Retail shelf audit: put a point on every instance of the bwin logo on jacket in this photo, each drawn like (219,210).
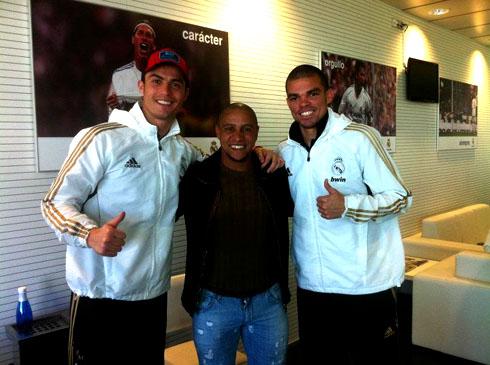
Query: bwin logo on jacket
(132,163)
(338,167)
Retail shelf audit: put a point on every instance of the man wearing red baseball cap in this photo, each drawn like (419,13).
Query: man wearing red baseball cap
(164,86)
(114,203)
(169,56)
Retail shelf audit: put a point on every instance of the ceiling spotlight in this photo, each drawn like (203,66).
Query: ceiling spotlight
(439,11)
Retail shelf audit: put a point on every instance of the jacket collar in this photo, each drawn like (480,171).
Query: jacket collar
(296,135)
(209,169)
(135,119)
(331,123)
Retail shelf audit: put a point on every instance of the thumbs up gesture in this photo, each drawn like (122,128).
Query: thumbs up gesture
(332,205)
(108,240)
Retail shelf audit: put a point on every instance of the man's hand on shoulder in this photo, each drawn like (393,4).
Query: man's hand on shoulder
(267,156)
(108,240)
(112,101)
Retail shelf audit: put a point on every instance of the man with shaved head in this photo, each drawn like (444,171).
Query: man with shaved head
(236,217)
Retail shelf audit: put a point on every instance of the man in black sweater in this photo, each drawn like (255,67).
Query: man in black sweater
(237,247)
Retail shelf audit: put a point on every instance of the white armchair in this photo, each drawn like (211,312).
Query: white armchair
(451,306)
(448,233)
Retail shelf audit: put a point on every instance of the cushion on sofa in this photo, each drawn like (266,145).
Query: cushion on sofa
(473,265)
(434,249)
(482,221)
(467,225)
(486,245)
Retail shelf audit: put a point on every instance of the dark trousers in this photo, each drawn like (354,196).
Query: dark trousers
(107,331)
(348,329)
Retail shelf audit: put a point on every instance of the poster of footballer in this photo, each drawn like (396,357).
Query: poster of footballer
(88,60)
(458,115)
(364,92)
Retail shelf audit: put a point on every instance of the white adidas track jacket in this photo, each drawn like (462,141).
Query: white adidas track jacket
(113,167)
(361,252)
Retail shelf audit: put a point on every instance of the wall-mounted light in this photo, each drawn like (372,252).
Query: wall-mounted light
(399,24)
(248,19)
(478,69)
(416,44)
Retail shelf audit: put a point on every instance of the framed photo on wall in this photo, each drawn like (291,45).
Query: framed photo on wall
(77,47)
(364,92)
(458,115)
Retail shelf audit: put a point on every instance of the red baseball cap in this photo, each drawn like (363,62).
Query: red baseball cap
(167,55)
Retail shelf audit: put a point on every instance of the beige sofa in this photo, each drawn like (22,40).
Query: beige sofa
(451,306)
(446,234)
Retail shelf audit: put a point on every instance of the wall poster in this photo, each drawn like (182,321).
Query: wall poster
(363,91)
(458,115)
(76,48)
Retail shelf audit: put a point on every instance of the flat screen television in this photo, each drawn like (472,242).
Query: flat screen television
(422,81)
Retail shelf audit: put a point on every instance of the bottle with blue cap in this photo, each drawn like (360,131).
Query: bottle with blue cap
(24,313)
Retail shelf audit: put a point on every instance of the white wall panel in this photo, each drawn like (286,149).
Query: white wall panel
(264,46)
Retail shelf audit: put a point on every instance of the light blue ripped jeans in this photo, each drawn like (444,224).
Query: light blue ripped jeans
(261,320)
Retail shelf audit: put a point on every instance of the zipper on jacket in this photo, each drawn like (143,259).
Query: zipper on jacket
(308,158)
(205,253)
(159,144)
(277,234)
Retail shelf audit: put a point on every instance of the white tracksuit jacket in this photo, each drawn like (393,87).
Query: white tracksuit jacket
(113,167)
(361,252)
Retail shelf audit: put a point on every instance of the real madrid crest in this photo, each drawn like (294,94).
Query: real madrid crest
(338,167)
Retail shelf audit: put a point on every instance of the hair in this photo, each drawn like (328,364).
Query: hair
(144,22)
(237,106)
(303,71)
(358,66)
